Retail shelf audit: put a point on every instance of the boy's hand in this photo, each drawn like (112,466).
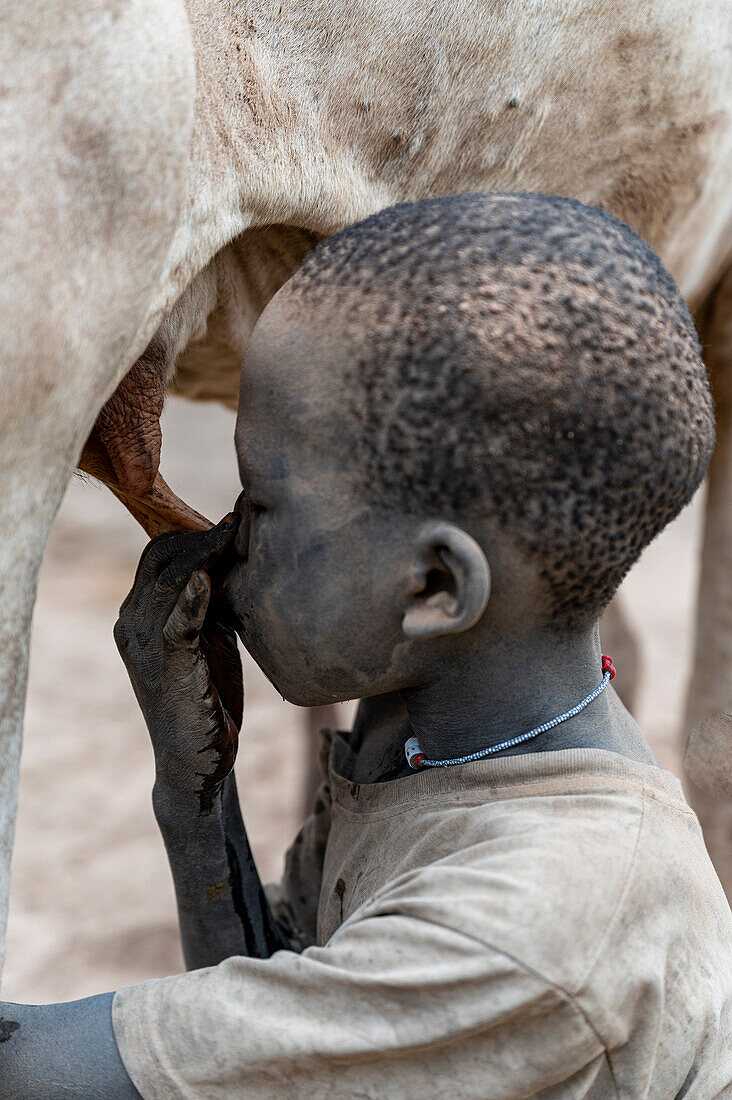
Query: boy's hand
(181,656)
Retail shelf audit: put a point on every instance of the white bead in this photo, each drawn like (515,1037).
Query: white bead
(412,750)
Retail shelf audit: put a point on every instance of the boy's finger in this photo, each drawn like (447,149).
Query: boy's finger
(222,657)
(191,547)
(187,617)
(199,554)
(154,558)
(188,548)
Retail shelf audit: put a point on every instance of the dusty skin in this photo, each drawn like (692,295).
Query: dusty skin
(460,624)
(135,198)
(92,907)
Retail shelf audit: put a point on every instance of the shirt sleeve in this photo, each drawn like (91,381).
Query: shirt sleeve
(391,1006)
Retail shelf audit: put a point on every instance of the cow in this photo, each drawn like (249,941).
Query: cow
(167,165)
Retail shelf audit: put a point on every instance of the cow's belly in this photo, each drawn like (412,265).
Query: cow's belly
(700,251)
(247,274)
(627,106)
(622,105)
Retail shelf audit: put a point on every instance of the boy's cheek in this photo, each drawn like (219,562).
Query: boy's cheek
(299,614)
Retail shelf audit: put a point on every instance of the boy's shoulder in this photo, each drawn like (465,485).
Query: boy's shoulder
(578,861)
(593,880)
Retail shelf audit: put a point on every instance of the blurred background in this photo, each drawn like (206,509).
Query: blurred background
(92,904)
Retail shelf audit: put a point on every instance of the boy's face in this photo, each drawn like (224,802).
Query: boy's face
(320,583)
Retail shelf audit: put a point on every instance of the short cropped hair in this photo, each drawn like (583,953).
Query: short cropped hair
(522,357)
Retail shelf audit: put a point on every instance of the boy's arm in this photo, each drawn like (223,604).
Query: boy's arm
(184,666)
(222,908)
(59,1050)
(392,1005)
(263,934)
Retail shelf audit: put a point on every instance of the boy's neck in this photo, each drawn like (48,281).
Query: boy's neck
(506,688)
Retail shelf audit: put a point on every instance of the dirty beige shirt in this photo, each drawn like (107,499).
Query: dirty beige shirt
(547,924)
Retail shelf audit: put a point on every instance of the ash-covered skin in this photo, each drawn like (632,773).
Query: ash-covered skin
(175,636)
(525,357)
(386,545)
(519,365)
(7,1027)
(182,659)
(458,425)
(443,627)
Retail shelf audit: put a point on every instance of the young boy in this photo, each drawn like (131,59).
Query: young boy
(460,423)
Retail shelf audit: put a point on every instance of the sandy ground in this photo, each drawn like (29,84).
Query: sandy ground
(92,905)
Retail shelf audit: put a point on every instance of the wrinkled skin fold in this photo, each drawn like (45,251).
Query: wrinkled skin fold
(123,452)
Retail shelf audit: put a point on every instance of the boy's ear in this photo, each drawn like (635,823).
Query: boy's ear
(452,583)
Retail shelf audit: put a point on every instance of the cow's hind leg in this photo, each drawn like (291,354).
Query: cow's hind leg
(708,725)
(95,115)
(30,497)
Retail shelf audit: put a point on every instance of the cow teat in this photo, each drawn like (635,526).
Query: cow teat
(123,452)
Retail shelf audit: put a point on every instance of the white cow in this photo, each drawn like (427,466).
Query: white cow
(166,165)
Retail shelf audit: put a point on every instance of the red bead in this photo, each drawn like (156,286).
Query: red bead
(608,666)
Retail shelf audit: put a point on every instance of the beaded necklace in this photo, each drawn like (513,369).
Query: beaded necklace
(417,759)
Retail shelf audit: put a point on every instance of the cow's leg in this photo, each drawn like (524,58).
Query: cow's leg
(95,120)
(708,725)
(27,512)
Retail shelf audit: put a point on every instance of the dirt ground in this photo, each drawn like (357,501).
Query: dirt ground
(92,904)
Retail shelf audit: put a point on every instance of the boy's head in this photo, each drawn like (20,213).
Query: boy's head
(462,417)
